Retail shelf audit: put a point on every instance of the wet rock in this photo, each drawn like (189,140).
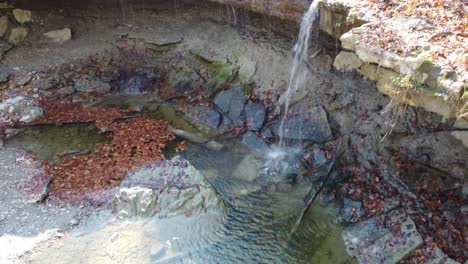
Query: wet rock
(370,242)
(254,143)
(351,211)
(91,84)
(266,133)
(18,35)
(3,25)
(248,169)
(135,201)
(313,127)
(22,15)
(206,115)
(445,151)
(49,82)
(232,102)
(32,114)
(135,84)
(254,116)
(59,36)
(347,61)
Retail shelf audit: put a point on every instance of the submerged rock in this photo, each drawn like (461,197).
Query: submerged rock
(59,36)
(370,242)
(248,169)
(313,127)
(167,188)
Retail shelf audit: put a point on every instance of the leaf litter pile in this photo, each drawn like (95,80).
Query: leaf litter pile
(133,143)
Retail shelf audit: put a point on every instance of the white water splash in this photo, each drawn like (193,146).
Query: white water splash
(298,67)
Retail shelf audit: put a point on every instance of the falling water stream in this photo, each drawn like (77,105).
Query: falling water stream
(299,64)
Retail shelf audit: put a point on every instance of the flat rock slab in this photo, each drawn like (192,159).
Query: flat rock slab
(384,239)
(313,127)
(59,36)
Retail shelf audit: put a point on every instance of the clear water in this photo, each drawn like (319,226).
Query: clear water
(255,225)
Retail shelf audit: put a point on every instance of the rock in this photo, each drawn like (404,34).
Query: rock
(254,143)
(438,90)
(266,133)
(192,137)
(69,90)
(91,84)
(32,115)
(206,115)
(4,76)
(370,242)
(4,48)
(213,145)
(322,63)
(171,187)
(59,36)
(439,257)
(22,15)
(248,169)
(135,84)
(18,35)
(5,5)
(254,116)
(3,25)
(313,127)
(23,80)
(347,61)
(352,210)
(232,102)
(135,201)
(465,189)
(12,105)
(445,151)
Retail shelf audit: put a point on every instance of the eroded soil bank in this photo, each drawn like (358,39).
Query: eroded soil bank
(214,75)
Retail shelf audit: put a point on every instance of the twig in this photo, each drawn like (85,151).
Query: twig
(311,200)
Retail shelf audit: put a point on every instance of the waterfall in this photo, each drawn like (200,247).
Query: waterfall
(298,67)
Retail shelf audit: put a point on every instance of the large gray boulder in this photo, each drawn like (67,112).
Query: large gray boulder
(313,126)
(167,188)
(347,61)
(254,116)
(205,115)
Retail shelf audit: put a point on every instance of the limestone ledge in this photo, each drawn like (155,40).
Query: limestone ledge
(437,89)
